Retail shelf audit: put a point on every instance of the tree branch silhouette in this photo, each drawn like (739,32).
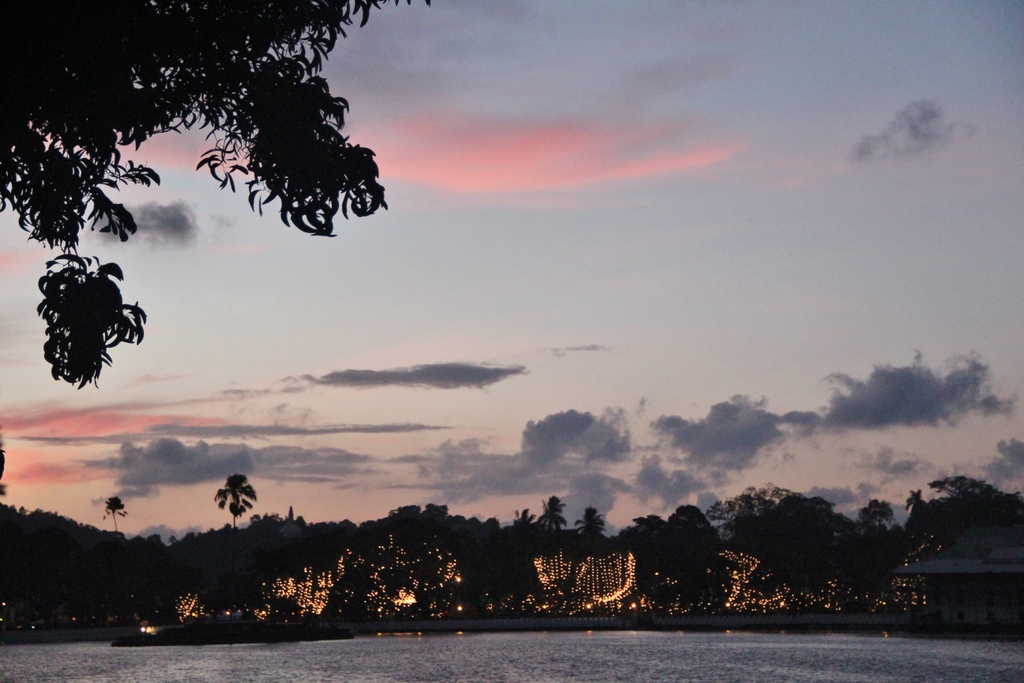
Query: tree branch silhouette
(84,80)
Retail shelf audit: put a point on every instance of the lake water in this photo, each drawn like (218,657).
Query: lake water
(534,657)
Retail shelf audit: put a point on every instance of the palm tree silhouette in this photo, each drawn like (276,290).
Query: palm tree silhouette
(552,519)
(591,527)
(114,508)
(238,495)
(523,520)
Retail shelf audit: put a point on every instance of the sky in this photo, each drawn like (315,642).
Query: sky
(636,256)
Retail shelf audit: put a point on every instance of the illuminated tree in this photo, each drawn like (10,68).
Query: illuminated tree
(114,508)
(799,541)
(83,80)
(238,495)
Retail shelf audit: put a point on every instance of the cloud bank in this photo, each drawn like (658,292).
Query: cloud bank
(655,481)
(169,462)
(1008,466)
(569,449)
(736,432)
(433,376)
(231,431)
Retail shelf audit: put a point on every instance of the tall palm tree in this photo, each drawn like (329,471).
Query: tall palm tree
(591,527)
(523,520)
(552,519)
(115,509)
(238,495)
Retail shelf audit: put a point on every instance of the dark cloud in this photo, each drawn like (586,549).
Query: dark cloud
(1009,464)
(917,127)
(563,350)
(732,435)
(893,467)
(316,466)
(169,462)
(605,438)
(839,496)
(236,431)
(435,376)
(556,451)
(166,224)
(653,480)
(735,432)
(592,489)
(912,396)
(846,500)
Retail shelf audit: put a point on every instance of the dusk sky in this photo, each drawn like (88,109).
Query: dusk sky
(636,255)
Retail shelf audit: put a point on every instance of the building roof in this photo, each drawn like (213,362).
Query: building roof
(982,550)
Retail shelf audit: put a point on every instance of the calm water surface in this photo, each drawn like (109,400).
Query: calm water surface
(534,657)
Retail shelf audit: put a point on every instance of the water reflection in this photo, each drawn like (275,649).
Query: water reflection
(540,657)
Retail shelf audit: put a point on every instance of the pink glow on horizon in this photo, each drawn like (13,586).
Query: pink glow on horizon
(12,263)
(472,157)
(35,473)
(88,422)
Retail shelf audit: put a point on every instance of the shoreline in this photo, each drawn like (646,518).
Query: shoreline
(900,624)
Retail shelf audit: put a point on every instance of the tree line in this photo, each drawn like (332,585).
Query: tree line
(765,550)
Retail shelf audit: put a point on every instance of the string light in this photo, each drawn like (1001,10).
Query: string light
(574,587)
(188,607)
(399,581)
(310,593)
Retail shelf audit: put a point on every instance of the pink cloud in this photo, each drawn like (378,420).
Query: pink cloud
(497,157)
(50,473)
(86,422)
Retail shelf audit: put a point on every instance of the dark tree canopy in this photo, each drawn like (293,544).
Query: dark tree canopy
(84,79)
(961,503)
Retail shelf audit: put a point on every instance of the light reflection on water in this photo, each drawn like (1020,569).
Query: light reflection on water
(535,657)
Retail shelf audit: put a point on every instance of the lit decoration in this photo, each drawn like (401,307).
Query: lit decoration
(749,591)
(188,607)
(402,581)
(904,591)
(573,587)
(310,593)
(405,598)
(743,593)
(385,582)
